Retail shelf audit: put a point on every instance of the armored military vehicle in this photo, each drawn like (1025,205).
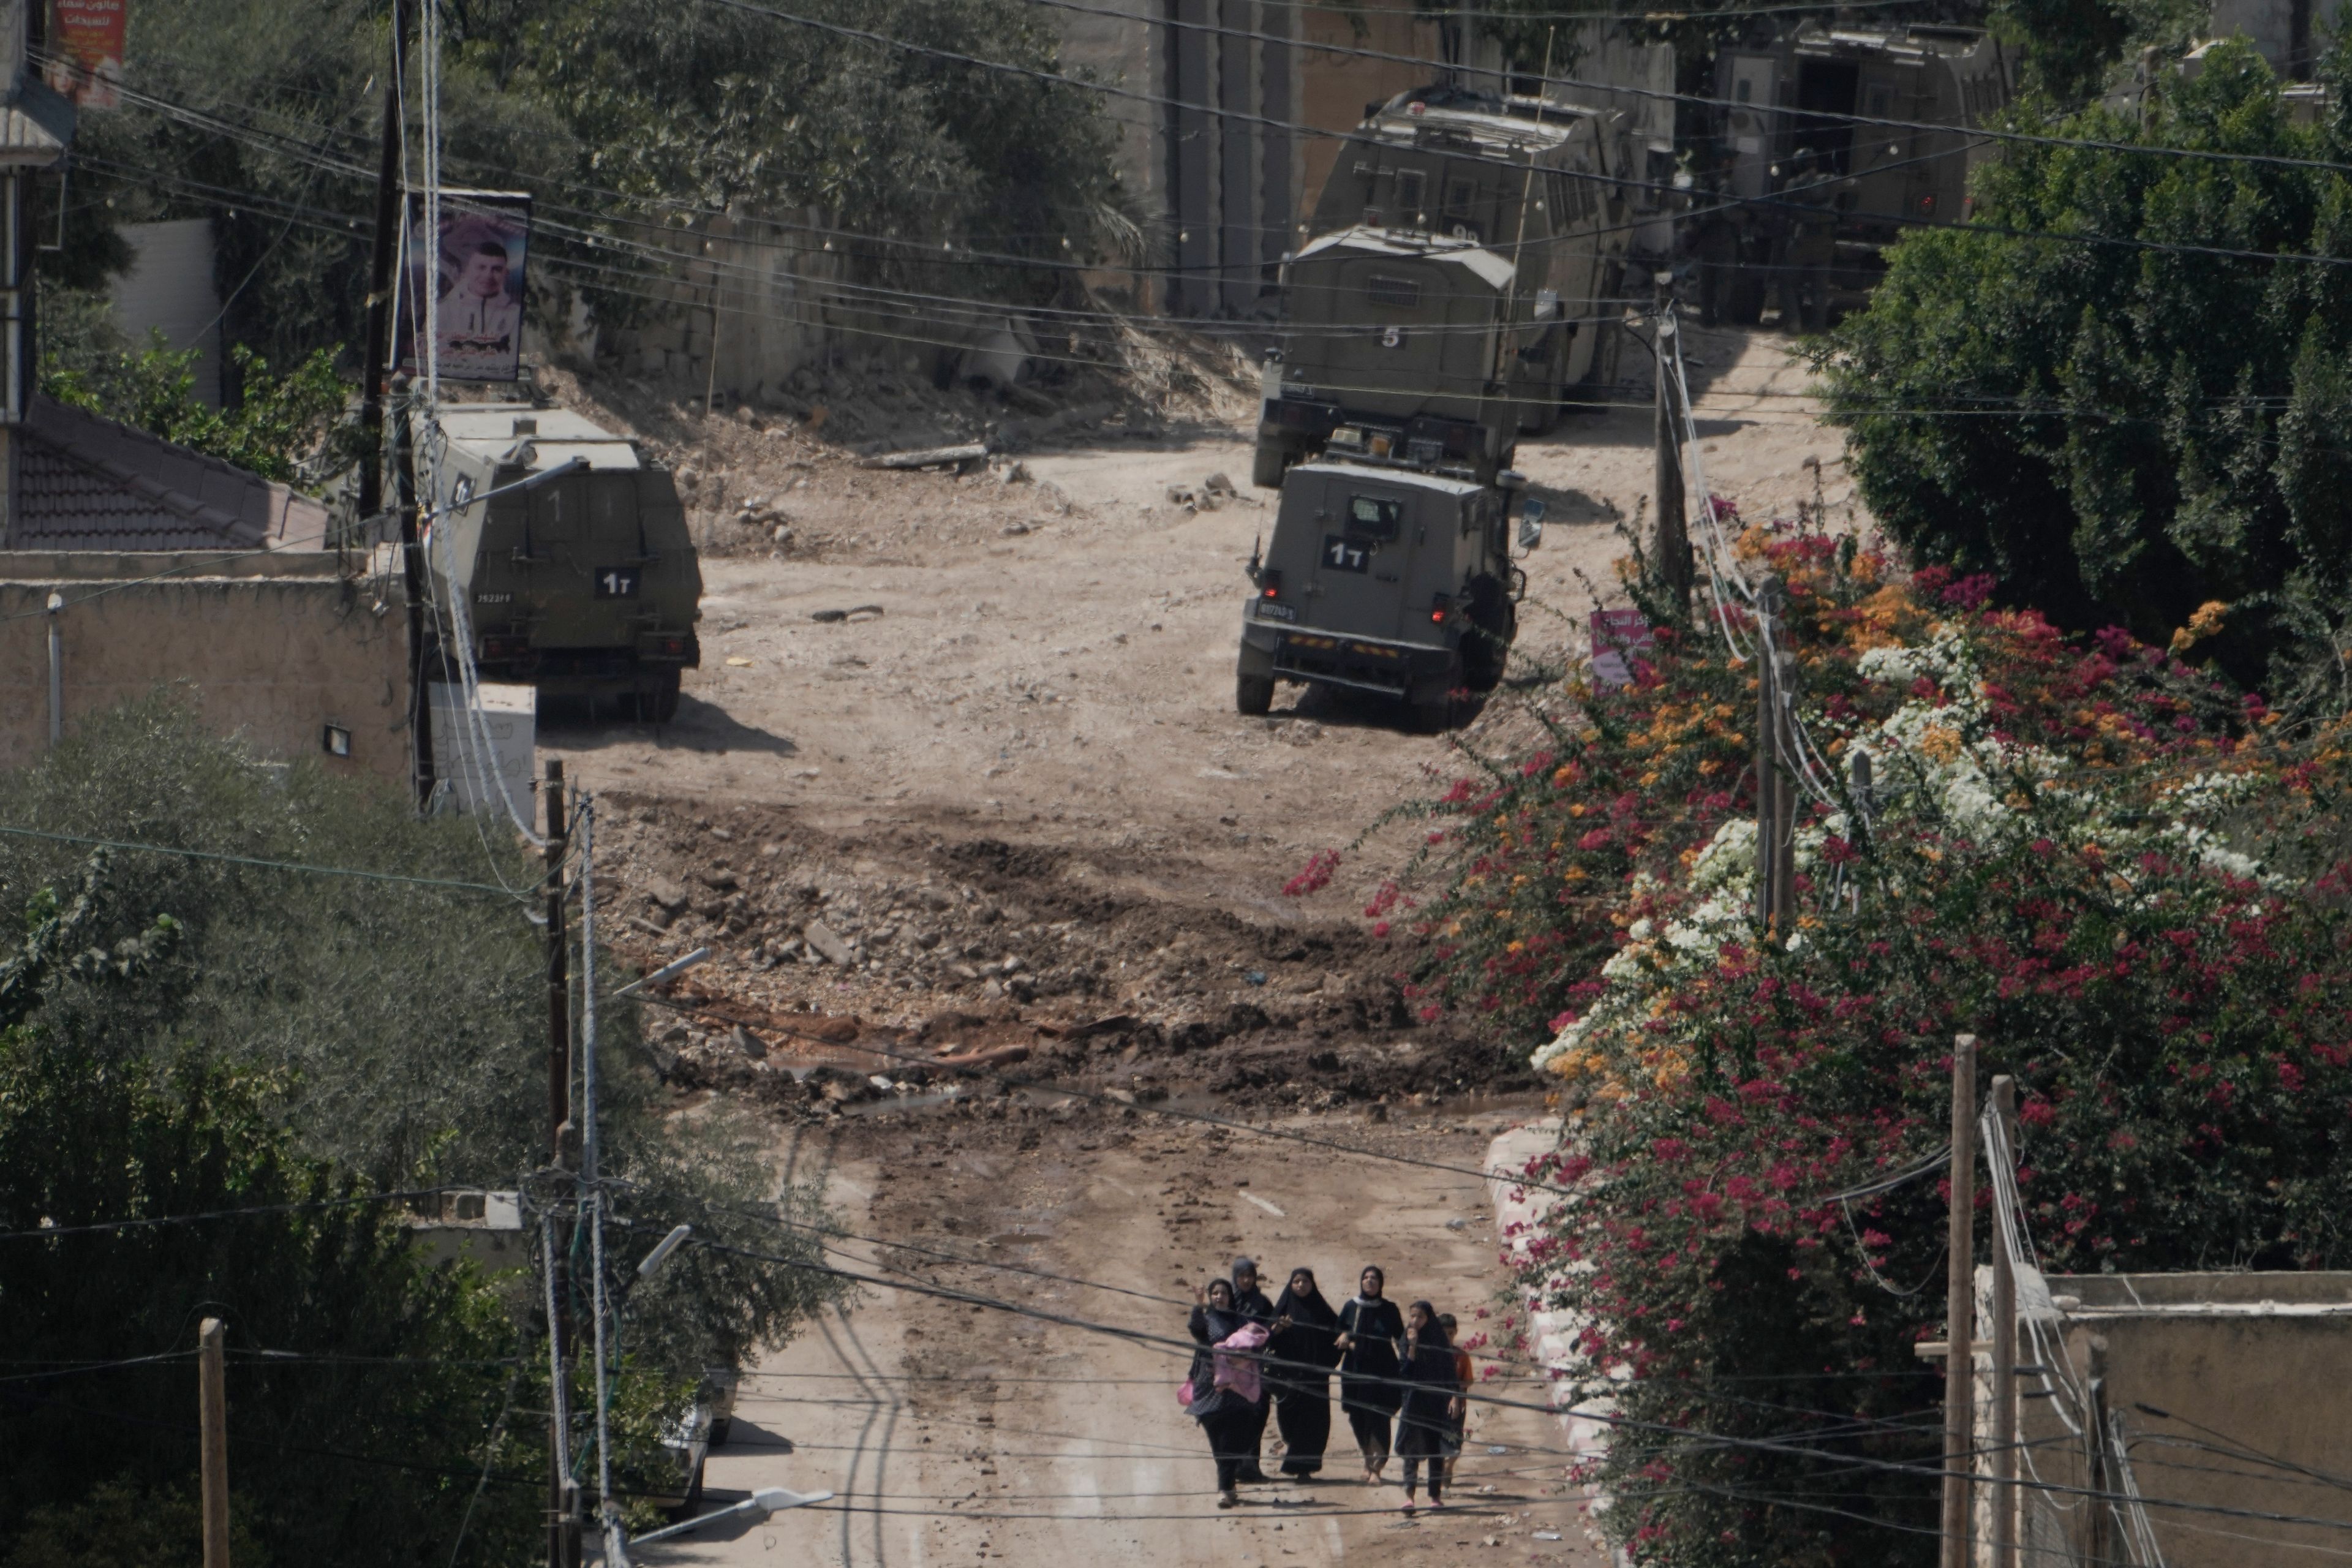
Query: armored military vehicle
(1456,283)
(583,584)
(1385,578)
(1816,195)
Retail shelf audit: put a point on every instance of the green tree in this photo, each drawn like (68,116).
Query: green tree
(293,429)
(403,1026)
(2123,433)
(363,1432)
(623,121)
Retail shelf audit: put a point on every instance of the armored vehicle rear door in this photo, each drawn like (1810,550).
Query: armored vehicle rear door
(586,559)
(1402,323)
(1363,557)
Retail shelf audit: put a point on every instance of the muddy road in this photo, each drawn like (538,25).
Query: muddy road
(960,776)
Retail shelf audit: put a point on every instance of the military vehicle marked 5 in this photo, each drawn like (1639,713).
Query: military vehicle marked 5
(1455,286)
(585,586)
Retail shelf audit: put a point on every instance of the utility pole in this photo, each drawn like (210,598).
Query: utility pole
(1959,1310)
(1767,761)
(1776,801)
(2098,1471)
(212,1410)
(1670,549)
(2004,1346)
(564,1498)
(380,265)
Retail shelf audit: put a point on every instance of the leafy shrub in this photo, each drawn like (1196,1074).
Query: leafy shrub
(2136,429)
(2125,879)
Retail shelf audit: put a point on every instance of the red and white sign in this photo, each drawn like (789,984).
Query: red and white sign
(86,41)
(1617,635)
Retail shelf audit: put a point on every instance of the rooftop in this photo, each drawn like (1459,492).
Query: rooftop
(89,483)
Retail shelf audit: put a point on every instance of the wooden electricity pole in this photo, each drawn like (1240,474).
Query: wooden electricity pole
(1776,799)
(380,267)
(374,354)
(1959,1310)
(212,1410)
(2004,1348)
(562,1511)
(1670,554)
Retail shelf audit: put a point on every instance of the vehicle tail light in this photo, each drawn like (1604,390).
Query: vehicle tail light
(505,647)
(1270,584)
(673,646)
(1439,607)
(1927,206)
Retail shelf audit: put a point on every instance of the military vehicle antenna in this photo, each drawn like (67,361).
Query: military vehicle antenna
(1520,242)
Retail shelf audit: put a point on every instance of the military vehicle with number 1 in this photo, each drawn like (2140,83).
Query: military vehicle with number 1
(1385,578)
(584,584)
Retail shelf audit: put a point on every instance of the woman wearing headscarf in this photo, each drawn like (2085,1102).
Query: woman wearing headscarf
(1223,1392)
(1250,1301)
(1305,1348)
(1465,1374)
(1371,1330)
(1432,1398)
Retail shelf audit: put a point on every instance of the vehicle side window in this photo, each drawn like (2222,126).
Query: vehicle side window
(1411,197)
(1374,517)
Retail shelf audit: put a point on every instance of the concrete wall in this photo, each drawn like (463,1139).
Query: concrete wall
(273,647)
(2257,1362)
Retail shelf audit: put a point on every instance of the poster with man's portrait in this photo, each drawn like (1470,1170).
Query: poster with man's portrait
(473,269)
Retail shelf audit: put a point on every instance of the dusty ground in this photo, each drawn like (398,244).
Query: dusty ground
(956,1435)
(1027,749)
(1007,807)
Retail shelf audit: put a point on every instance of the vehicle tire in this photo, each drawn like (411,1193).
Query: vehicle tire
(1252,695)
(659,705)
(1487,643)
(1743,298)
(1434,715)
(1274,454)
(719,1433)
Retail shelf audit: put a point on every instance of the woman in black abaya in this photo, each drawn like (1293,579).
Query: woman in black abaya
(1371,1330)
(1305,1348)
(1229,1416)
(1433,1403)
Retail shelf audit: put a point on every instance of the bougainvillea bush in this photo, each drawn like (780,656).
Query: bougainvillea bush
(2127,881)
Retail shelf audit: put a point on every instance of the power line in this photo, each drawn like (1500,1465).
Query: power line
(209,1215)
(252,860)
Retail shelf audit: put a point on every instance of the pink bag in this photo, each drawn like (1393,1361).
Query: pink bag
(1239,1372)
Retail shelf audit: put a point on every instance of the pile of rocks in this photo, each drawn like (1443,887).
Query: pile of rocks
(916,935)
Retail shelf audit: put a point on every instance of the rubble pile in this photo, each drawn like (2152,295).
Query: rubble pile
(836,978)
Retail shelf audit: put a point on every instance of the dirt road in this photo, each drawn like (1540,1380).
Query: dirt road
(1006,804)
(955,1434)
(1049,664)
